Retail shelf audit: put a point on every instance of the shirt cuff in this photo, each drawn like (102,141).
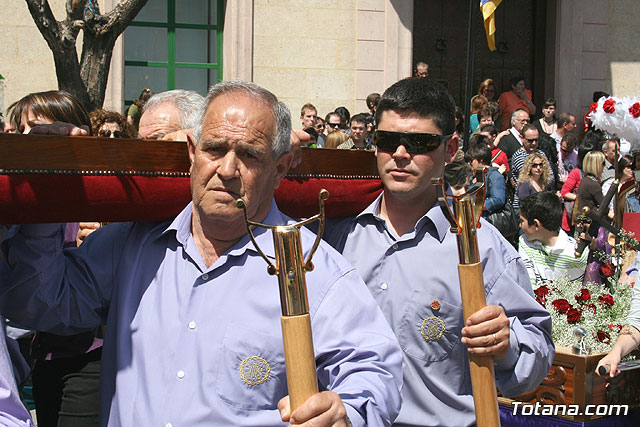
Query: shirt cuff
(508,362)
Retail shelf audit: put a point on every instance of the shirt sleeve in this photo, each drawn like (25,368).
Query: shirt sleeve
(634,313)
(531,348)
(48,288)
(361,360)
(497,189)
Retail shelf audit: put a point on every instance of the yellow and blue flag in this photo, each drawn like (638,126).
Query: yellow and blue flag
(488,8)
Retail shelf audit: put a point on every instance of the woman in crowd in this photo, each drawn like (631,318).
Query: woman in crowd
(478,103)
(517,97)
(570,188)
(66,375)
(548,123)
(535,176)
(334,139)
(488,90)
(110,124)
(590,189)
(135,109)
(627,190)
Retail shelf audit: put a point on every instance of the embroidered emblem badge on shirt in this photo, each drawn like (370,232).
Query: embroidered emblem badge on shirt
(254,370)
(432,328)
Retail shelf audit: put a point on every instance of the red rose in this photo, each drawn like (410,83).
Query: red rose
(593,108)
(609,106)
(635,110)
(561,305)
(606,300)
(607,270)
(541,293)
(591,307)
(584,296)
(573,315)
(604,337)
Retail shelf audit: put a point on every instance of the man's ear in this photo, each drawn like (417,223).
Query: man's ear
(451,148)
(282,167)
(537,224)
(191,147)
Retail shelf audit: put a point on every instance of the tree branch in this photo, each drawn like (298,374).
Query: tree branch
(121,16)
(45,21)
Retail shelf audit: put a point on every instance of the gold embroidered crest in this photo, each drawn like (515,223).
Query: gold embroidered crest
(432,328)
(254,370)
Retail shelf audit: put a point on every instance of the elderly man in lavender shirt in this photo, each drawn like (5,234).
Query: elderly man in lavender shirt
(193,318)
(403,247)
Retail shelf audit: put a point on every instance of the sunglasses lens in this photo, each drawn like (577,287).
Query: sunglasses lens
(414,143)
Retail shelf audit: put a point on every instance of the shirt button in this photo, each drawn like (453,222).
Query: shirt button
(383,286)
(168,425)
(192,325)
(395,246)
(205,276)
(181,374)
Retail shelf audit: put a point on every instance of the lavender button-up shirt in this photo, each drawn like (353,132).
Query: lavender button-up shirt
(188,345)
(414,279)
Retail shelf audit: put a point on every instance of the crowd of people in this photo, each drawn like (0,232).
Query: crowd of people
(154,323)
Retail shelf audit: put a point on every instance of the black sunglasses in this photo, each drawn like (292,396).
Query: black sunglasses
(414,143)
(333,125)
(107,133)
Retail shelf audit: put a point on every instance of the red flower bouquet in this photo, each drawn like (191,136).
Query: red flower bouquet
(609,106)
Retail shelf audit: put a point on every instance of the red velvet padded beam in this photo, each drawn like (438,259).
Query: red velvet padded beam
(120,180)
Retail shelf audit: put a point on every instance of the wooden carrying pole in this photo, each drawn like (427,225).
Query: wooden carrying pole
(464,220)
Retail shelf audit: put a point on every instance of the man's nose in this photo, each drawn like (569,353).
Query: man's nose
(228,167)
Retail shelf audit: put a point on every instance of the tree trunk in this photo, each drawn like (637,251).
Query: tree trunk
(87,78)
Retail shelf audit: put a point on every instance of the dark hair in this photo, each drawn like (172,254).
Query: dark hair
(592,141)
(571,139)
(343,113)
(550,102)
(489,128)
(423,98)
(359,118)
(527,127)
(517,78)
(372,99)
(564,118)
(458,172)
(333,113)
(100,117)
(480,152)
(477,138)
(485,112)
(544,206)
(599,94)
(56,105)
(625,161)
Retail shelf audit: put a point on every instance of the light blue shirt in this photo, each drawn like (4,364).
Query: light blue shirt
(188,345)
(414,279)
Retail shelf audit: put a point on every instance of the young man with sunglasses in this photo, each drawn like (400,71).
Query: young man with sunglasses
(530,143)
(403,248)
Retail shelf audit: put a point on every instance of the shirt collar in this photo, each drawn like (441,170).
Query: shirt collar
(182,226)
(433,216)
(515,133)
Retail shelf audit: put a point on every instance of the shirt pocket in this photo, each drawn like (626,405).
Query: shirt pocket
(430,327)
(252,373)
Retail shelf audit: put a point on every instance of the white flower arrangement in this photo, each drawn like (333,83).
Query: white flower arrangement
(617,116)
(591,306)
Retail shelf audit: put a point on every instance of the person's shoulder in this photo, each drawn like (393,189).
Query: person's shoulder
(492,244)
